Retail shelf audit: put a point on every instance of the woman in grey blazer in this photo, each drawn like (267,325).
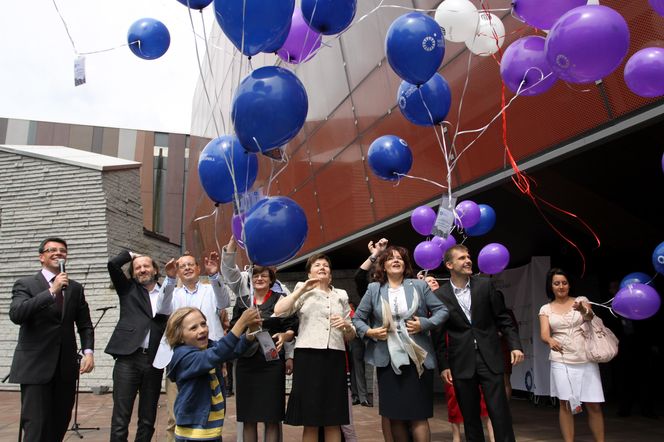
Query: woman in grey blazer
(395,319)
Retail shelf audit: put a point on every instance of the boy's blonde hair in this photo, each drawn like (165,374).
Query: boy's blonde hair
(174,330)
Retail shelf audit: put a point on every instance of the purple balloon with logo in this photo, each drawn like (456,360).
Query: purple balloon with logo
(587,43)
(302,41)
(524,67)
(658,6)
(236,227)
(428,255)
(636,301)
(543,14)
(469,214)
(423,219)
(444,243)
(644,72)
(493,258)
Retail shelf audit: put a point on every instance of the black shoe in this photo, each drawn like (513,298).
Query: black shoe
(356,401)
(366,404)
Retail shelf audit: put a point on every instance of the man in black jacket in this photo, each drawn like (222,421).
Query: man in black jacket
(46,306)
(134,344)
(474,357)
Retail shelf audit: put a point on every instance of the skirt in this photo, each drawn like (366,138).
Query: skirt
(319,397)
(580,380)
(405,396)
(260,389)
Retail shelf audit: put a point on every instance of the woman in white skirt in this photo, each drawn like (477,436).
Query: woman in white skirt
(574,380)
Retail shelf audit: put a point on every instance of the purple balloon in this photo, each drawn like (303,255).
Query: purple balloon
(644,72)
(587,43)
(302,41)
(493,258)
(543,14)
(428,255)
(469,214)
(423,219)
(236,227)
(524,61)
(444,243)
(636,301)
(658,6)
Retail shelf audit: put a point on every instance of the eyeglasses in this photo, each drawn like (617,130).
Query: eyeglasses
(260,275)
(54,250)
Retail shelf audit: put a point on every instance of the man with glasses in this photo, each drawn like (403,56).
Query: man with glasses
(46,306)
(211,299)
(134,344)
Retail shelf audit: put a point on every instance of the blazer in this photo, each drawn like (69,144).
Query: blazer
(135,314)
(489,315)
(369,315)
(46,339)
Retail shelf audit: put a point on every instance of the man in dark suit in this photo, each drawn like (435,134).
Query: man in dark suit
(134,344)
(46,306)
(474,357)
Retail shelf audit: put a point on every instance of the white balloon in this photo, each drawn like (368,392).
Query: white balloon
(458,18)
(489,37)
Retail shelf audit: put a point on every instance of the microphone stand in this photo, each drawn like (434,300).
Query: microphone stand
(76,427)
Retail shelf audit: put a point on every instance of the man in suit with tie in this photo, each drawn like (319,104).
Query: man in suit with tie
(474,357)
(134,344)
(46,306)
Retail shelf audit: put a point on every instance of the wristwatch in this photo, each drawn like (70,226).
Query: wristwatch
(372,258)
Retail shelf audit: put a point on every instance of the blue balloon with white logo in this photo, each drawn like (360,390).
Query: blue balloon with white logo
(269,108)
(415,47)
(389,156)
(254,25)
(635,278)
(329,17)
(148,38)
(658,258)
(225,167)
(427,104)
(274,230)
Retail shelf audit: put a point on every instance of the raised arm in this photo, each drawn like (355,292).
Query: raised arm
(230,272)
(165,298)
(286,304)
(120,281)
(221,292)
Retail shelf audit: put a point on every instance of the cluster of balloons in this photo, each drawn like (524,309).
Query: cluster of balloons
(637,299)
(255,26)
(482,32)
(429,254)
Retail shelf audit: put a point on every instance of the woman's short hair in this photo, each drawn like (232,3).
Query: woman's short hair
(174,329)
(313,258)
(380,275)
(549,281)
(256,269)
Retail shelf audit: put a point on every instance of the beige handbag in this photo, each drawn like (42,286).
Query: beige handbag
(601,343)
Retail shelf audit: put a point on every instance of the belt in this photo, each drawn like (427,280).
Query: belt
(142,350)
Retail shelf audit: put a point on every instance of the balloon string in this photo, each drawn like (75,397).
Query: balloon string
(214,212)
(605,306)
(419,178)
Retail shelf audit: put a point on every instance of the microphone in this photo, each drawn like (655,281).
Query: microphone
(103,309)
(61,263)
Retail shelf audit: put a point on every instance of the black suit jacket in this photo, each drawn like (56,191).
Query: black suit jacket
(46,339)
(489,314)
(135,314)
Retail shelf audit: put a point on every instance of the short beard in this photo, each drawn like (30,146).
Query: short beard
(148,282)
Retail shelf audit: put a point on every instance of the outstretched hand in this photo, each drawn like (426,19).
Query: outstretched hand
(212,263)
(171,268)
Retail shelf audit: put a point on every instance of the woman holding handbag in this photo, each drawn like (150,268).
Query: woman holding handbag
(574,378)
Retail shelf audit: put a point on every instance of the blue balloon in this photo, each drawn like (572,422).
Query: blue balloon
(196,4)
(278,42)
(415,47)
(254,25)
(634,278)
(658,258)
(486,222)
(269,108)
(148,38)
(425,105)
(219,181)
(329,17)
(389,155)
(275,229)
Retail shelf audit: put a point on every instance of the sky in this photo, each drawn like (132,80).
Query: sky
(122,90)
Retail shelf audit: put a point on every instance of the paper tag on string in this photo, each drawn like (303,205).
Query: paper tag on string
(247,200)
(79,70)
(267,346)
(445,219)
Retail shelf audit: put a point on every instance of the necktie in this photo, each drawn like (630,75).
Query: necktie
(59,298)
